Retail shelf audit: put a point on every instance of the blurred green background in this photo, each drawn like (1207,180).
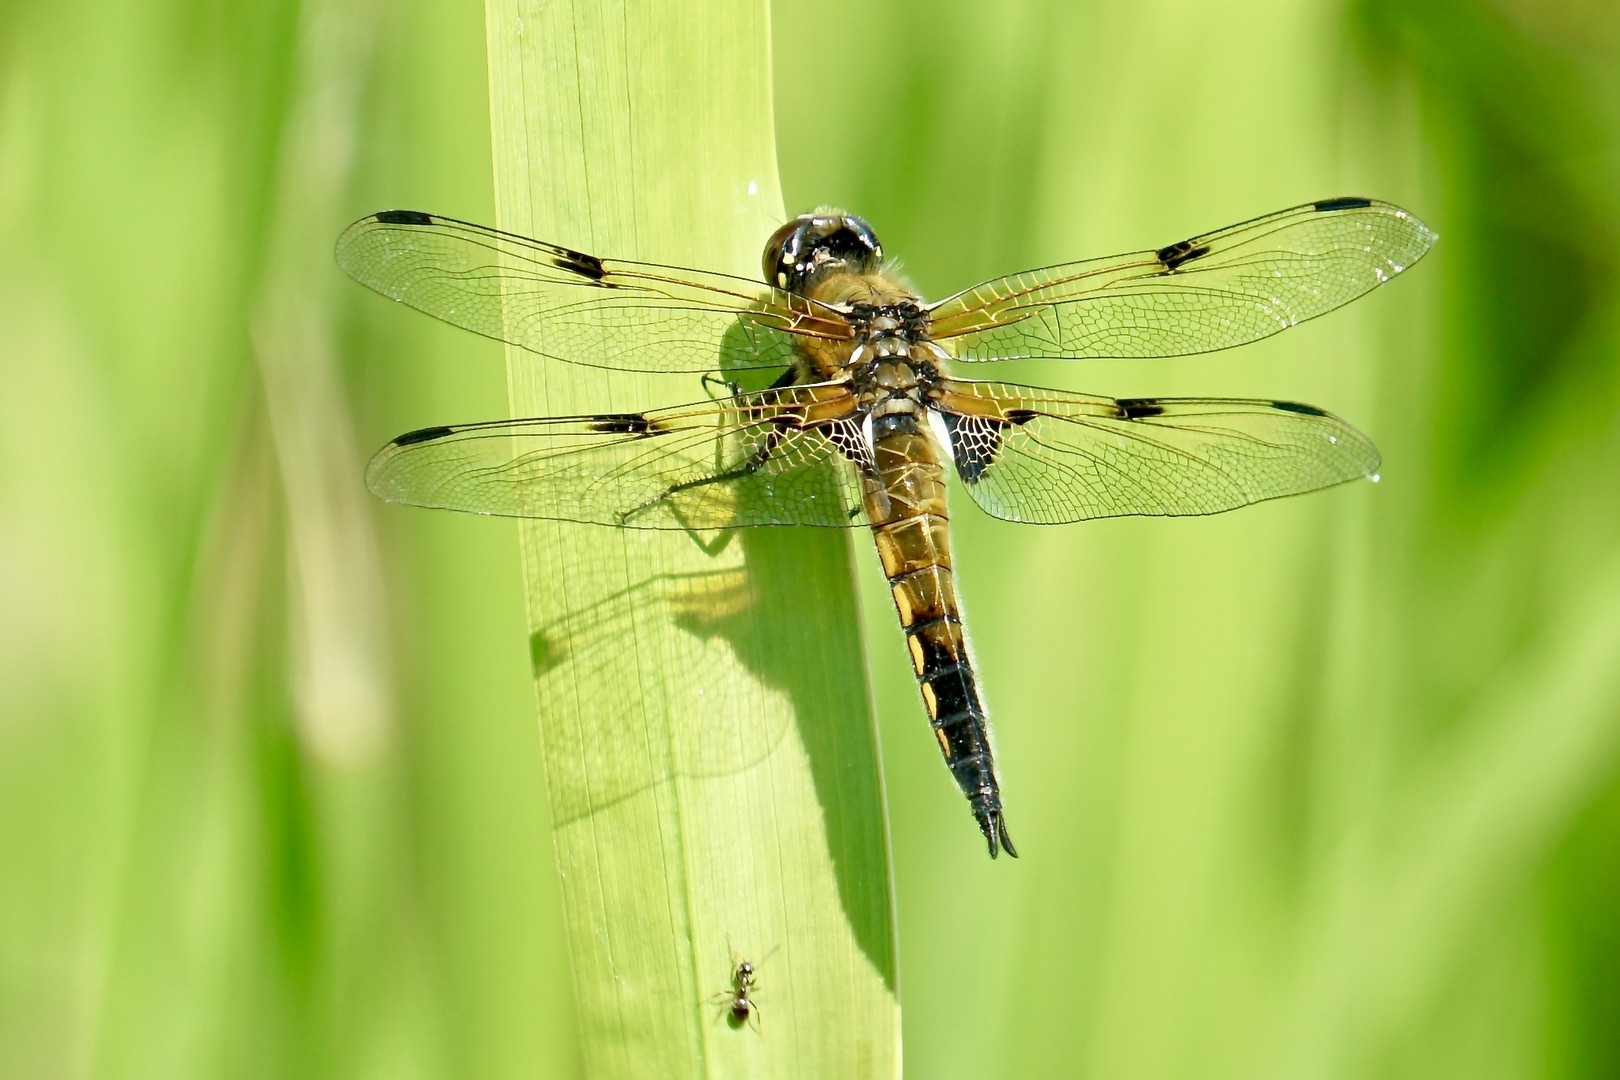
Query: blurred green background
(1324,788)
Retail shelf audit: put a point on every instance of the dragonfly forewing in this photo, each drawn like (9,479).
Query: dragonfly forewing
(1209,292)
(569,305)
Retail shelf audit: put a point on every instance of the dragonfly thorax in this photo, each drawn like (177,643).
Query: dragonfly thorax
(891,380)
(890,367)
(894,375)
(904,319)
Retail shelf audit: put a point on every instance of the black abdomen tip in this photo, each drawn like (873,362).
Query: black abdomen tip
(994,827)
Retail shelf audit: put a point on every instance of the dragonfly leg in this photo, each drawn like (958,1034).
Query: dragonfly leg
(734,389)
(731,388)
(755,462)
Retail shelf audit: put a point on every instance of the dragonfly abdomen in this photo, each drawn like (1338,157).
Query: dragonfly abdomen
(905,501)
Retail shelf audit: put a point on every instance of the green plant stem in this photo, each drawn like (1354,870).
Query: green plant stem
(705,722)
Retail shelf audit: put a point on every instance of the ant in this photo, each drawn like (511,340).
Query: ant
(739,1007)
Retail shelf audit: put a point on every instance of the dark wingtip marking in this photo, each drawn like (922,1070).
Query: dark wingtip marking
(1296,407)
(1179,253)
(1349,202)
(427,434)
(404,217)
(1137,408)
(626,424)
(577,262)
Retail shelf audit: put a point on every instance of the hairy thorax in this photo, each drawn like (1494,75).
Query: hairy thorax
(887,317)
(892,369)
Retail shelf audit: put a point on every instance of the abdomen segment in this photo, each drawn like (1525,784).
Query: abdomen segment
(906,503)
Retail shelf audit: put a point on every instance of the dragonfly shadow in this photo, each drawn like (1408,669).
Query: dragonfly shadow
(803,647)
(713,612)
(831,708)
(756,615)
(643,688)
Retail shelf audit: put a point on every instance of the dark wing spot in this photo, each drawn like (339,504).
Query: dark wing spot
(1327,206)
(577,262)
(1183,252)
(846,436)
(1296,407)
(626,424)
(1021,416)
(1137,408)
(427,434)
(403,217)
(975,442)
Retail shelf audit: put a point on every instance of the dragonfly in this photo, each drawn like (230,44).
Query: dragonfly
(864,416)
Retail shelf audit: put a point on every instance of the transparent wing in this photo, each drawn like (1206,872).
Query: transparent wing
(1225,288)
(568,305)
(776,457)
(1049,456)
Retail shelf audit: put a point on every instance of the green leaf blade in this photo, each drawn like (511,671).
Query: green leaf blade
(705,719)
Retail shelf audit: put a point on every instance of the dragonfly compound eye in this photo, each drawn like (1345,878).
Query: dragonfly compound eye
(811,245)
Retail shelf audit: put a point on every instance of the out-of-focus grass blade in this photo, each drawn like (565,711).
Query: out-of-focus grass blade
(710,756)
(1496,798)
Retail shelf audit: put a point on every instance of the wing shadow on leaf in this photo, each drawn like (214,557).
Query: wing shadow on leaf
(757,613)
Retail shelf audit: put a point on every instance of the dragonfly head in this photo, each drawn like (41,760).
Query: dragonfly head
(819,243)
